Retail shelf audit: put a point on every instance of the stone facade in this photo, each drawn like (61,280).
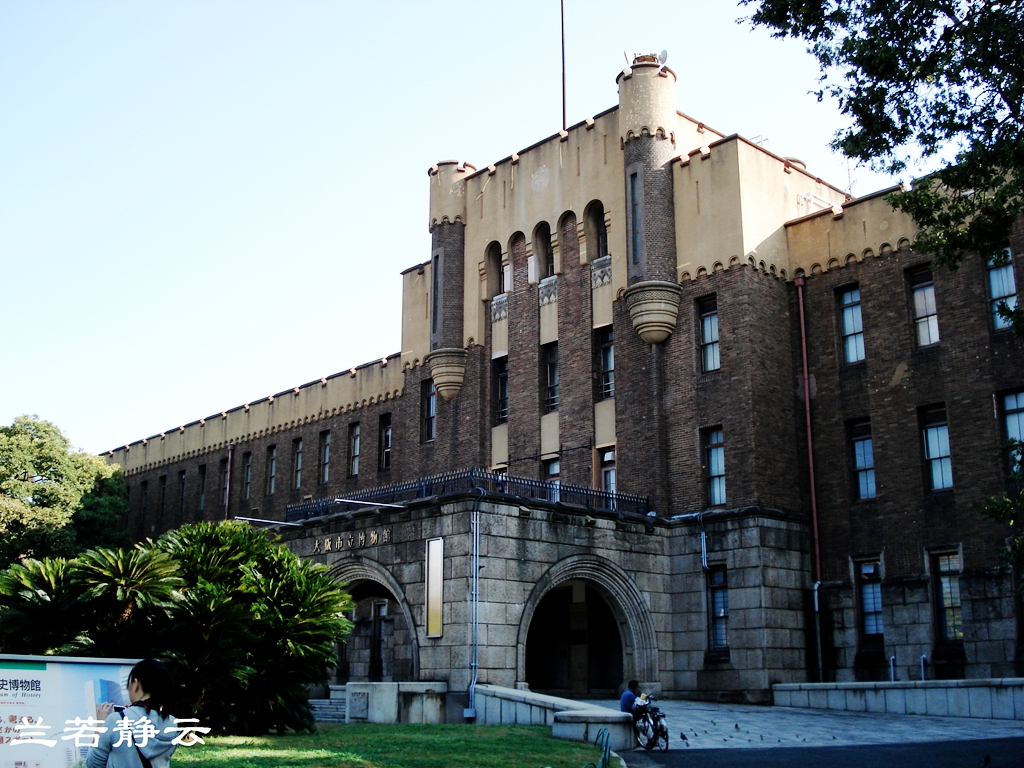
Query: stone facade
(739,568)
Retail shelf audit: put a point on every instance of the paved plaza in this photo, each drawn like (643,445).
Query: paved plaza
(790,736)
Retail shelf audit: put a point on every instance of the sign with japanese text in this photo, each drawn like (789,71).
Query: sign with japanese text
(351,540)
(49,708)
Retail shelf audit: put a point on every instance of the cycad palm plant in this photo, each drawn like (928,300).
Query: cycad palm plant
(131,591)
(41,609)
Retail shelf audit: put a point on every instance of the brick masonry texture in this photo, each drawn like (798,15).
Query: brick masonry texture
(658,261)
(451,237)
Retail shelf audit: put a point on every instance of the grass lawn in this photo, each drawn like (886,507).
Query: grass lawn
(394,746)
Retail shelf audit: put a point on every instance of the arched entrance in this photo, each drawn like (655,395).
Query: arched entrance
(382,646)
(573,646)
(586,628)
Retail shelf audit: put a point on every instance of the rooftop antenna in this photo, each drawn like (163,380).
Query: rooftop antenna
(663,57)
(562,2)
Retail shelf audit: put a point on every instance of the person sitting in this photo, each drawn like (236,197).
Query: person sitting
(628,701)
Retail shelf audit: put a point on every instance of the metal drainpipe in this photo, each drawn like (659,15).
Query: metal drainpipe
(474,663)
(924,658)
(227,482)
(799,281)
(703,542)
(892,669)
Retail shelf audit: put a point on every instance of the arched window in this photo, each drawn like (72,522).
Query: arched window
(495,273)
(595,231)
(542,250)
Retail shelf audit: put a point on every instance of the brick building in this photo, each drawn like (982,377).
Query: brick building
(668,406)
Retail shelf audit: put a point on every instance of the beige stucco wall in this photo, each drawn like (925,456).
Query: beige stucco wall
(867,227)
(415,314)
(342,392)
(732,201)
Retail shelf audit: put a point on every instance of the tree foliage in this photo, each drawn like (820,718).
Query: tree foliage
(1008,508)
(920,79)
(244,624)
(53,500)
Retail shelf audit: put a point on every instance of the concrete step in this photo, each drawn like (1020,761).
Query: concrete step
(328,710)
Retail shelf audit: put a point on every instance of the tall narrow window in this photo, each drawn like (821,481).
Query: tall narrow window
(549,354)
(863,460)
(605,363)
(718,601)
(384,435)
(181,494)
(938,462)
(223,482)
(163,495)
(353,449)
(950,620)
(247,475)
(297,462)
(1002,290)
(552,470)
(428,412)
(202,487)
(634,208)
(1013,413)
(714,456)
(271,470)
(709,359)
(325,456)
(145,496)
(435,292)
(926,319)
(501,390)
(853,327)
(607,469)
(869,576)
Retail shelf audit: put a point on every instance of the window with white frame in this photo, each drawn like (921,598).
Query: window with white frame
(714,457)
(384,435)
(552,470)
(926,318)
(718,602)
(325,456)
(852,325)
(549,354)
(354,439)
(428,410)
(1013,415)
(869,576)
(863,460)
(947,596)
(297,463)
(709,348)
(271,470)
(1002,290)
(246,475)
(605,343)
(607,469)
(938,461)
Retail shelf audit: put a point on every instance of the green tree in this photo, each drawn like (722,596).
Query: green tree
(1008,508)
(257,625)
(927,80)
(54,500)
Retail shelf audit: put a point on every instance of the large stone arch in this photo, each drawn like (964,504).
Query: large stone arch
(358,568)
(639,641)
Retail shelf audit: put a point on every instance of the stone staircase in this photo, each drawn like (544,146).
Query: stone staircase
(330,710)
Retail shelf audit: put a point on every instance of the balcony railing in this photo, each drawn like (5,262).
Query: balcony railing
(468,480)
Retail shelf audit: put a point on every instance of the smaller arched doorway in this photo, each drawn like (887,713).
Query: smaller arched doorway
(382,646)
(574,646)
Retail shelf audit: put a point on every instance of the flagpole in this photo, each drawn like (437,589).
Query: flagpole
(563,65)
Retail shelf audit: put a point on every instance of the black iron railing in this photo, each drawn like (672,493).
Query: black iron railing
(467,480)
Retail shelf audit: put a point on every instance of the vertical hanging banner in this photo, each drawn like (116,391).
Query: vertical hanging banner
(434,586)
(40,699)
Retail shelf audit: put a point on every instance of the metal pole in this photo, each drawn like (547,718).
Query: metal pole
(563,65)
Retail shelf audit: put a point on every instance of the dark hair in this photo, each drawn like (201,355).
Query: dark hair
(631,684)
(156,681)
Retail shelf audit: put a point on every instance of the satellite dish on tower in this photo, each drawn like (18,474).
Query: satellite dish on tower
(663,57)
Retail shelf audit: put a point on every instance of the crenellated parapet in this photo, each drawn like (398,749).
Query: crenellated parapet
(647,100)
(339,393)
(448,192)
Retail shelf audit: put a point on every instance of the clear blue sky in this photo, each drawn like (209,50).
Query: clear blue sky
(203,203)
